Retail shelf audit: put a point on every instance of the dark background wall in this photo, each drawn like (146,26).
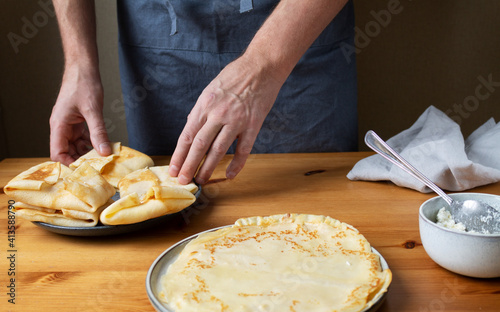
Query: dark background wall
(429,53)
(410,54)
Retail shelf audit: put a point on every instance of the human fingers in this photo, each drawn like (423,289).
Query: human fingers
(243,149)
(60,144)
(79,143)
(68,142)
(97,130)
(199,148)
(186,138)
(215,154)
(181,150)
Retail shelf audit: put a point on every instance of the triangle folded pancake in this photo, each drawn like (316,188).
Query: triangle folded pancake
(121,162)
(129,209)
(89,186)
(146,194)
(141,182)
(166,179)
(49,191)
(54,186)
(47,173)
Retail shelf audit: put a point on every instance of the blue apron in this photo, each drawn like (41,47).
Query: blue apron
(169,51)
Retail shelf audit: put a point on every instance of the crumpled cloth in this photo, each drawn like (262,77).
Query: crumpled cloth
(435,146)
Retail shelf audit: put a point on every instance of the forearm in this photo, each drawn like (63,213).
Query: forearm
(77,26)
(289,32)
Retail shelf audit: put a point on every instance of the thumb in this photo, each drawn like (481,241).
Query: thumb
(98,133)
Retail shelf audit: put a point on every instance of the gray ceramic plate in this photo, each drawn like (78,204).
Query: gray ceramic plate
(104,230)
(161,264)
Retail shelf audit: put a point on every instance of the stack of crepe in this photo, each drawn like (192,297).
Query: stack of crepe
(73,196)
(148,193)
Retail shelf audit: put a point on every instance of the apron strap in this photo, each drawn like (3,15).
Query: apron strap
(246,5)
(173,18)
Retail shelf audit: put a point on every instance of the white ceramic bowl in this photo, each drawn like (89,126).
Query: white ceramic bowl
(475,255)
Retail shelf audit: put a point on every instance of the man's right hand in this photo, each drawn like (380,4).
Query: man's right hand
(80,100)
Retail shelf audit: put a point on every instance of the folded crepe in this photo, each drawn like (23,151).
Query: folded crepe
(64,217)
(148,193)
(51,192)
(121,162)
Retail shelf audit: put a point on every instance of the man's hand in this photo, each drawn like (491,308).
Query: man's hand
(233,106)
(236,102)
(80,99)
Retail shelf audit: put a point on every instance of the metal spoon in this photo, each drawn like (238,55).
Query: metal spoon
(475,215)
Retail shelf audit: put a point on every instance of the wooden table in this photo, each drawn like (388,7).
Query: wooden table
(65,273)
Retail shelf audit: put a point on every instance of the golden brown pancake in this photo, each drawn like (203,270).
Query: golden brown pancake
(55,186)
(52,193)
(121,162)
(148,193)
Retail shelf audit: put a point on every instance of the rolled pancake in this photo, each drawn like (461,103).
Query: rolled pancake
(70,218)
(114,167)
(55,186)
(146,194)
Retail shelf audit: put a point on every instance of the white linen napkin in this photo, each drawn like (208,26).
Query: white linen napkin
(435,146)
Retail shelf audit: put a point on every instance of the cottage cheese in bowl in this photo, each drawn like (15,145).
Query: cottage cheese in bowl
(445,219)
(452,247)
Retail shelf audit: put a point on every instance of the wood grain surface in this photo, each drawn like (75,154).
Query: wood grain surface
(55,272)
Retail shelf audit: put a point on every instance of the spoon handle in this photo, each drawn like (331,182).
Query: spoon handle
(379,146)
